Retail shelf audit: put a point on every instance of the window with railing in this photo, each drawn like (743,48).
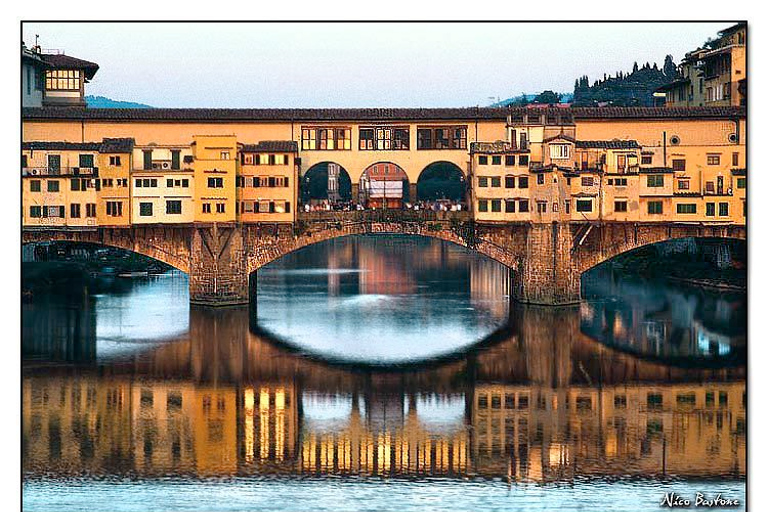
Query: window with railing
(383,138)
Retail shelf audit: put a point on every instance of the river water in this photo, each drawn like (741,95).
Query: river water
(381,373)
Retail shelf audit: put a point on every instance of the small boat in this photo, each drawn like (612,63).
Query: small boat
(133,274)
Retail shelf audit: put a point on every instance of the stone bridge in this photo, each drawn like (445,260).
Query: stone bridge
(546,260)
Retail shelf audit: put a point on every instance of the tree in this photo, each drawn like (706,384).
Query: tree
(635,68)
(669,68)
(547,98)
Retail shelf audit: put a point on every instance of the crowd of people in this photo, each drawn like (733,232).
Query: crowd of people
(440,205)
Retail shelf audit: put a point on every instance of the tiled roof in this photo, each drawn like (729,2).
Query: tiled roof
(368,114)
(273,146)
(739,172)
(658,112)
(607,144)
(122,145)
(674,84)
(61,146)
(560,136)
(67,62)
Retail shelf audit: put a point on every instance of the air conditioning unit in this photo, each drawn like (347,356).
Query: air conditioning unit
(733,138)
(76,171)
(166,165)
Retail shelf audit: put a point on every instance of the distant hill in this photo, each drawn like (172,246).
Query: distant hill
(102,102)
(625,89)
(525,99)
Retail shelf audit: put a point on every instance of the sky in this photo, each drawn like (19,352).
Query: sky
(314,65)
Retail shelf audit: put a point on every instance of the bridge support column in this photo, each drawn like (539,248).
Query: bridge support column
(546,274)
(217,272)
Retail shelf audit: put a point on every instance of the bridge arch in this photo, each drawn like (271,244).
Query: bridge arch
(441,180)
(614,240)
(383,183)
(325,181)
(167,246)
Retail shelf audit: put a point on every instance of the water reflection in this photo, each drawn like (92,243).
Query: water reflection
(568,394)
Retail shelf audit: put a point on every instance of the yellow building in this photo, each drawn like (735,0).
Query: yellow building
(267,184)
(162,184)
(215,171)
(59,183)
(114,202)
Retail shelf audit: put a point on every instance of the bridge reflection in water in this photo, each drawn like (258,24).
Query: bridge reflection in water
(543,402)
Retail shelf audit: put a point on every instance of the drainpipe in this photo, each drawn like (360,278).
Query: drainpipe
(664,145)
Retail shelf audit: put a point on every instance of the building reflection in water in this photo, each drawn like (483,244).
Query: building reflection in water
(546,403)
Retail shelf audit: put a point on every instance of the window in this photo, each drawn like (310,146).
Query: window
(496,160)
(523,161)
(509,206)
(735,159)
(173,207)
(619,206)
(53,211)
(619,182)
(35,212)
(683,184)
(34,185)
(522,206)
(496,205)
(114,160)
(185,182)
(53,185)
(587,181)
(366,138)
(224,155)
(723,209)
(655,208)
(74,210)
(522,182)
(559,151)
(713,159)
(655,180)
(509,181)
(540,179)
(509,160)
(482,160)
(482,205)
(482,181)
(220,207)
(90,210)
(175,159)
(54,164)
(567,204)
(215,182)
(496,181)
(86,161)
(646,159)
(326,139)
(145,209)
(115,208)
(710,209)
(62,80)
(678,165)
(687,208)
(442,137)
(583,205)
(741,182)
(147,159)
(206,207)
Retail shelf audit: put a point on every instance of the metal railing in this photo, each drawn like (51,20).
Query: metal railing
(385,216)
(64,171)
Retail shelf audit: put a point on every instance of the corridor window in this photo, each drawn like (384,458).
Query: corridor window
(741,182)
(482,160)
(34,185)
(220,207)
(86,161)
(540,179)
(683,184)
(522,206)
(496,205)
(559,151)
(115,208)
(366,139)
(62,80)
(523,161)
(442,137)
(215,182)
(53,186)
(620,206)
(145,209)
(74,210)
(655,208)
(713,159)
(723,209)
(655,181)
(326,139)
(522,182)
(509,181)
(173,207)
(687,208)
(541,206)
(710,209)
(496,181)
(587,181)
(496,160)
(678,165)
(35,212)
(510,206)
(482,181)
(482,205)
(509,160)
(584,205)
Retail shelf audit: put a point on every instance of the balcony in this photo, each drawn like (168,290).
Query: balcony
(92,172)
